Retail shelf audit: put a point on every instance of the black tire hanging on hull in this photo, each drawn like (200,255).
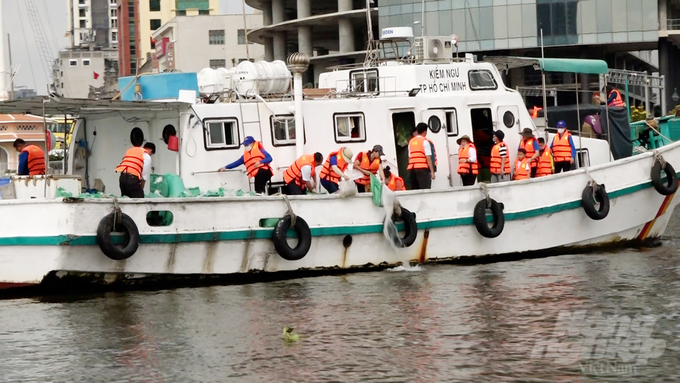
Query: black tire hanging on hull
(589,199)
(671,185)
(127,227)
(480,218)
(304,235)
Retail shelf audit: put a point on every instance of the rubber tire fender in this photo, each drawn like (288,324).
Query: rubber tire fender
(410,228)
(128,227)
(661,187)
(304,238)
(479,218)
(589,204)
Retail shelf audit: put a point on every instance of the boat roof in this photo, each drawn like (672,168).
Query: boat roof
(585,66)
(61,106)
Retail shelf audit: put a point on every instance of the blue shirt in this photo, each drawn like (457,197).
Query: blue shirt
(571,143)
(267,159)
(334,160)
(536,148)
(23,164)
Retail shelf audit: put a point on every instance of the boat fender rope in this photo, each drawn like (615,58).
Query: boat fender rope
(659,157)
(485,191)
(117,213)
(595,193)
(293,217)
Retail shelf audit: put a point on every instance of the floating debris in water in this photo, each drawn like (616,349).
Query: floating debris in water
(289,335)
(406,267)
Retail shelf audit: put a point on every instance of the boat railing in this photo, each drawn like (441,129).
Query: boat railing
(367,86)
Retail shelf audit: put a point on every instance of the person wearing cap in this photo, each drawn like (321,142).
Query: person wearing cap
(530,146)
(500,163)
(257,161)
(31,159)
(420,164)
(299,177)
(522,169)
(563,148)
(368,163)
(135,170)
(468,167)
(545,160)
(334,169)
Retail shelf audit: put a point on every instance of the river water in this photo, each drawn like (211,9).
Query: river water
(611,316)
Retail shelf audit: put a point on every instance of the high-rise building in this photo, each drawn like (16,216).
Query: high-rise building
(93,22)
(140,18)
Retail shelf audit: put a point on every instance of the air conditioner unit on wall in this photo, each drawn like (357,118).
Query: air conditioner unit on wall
(435,48)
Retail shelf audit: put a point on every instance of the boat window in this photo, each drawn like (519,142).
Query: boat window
(508,119)
(350,127)
(221,135)
(451,123)
(365,81)
(482,79)
(435,124)
(136,136)
(582,158)
(168,131)
(283,130)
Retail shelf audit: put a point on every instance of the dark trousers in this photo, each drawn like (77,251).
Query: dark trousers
(534,171)
(420,179)
(130,186)
(331,187)
(294,189)
(562,166)
(362,188)
(261,178)
(468,179)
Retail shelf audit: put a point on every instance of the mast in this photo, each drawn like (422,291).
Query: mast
(4,96)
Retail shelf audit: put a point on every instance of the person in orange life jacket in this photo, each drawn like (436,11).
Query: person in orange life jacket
(534,111)
(257,161)
(367,163)
(563,148)
(500,162)
(530,146)
(414,132)
(468,167)
(334,168)
(300,175)
(31,159)
(522,169)
(545,160)
(135,170)
(420,163)
(615,100)
(392,181)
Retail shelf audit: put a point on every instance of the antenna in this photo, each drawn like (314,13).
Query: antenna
(4,96)
(372,54)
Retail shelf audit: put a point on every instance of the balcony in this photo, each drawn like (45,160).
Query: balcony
(673,24)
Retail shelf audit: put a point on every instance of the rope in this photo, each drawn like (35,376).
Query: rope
(485,191)
(659,157)
(293,217)
(117,214)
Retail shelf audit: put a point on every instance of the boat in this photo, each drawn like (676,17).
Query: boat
(52,235)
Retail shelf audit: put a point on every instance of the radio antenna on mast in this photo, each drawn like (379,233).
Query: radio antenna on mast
(372,54)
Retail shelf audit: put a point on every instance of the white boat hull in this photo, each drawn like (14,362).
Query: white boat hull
(222,236)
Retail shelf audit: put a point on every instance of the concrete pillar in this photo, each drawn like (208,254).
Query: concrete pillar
(345,30)
(278,11)
(279,45)
(668,58)
(268,49)
(267,14)
(663,15)
(304,32)
(303,9)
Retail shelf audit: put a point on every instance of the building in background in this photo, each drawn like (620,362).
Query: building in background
(191,43)
(331,32)
(12,126)
(88,68)
(140,18)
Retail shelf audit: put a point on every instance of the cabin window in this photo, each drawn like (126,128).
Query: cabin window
(582,158)
(365,81)
(221,135)
(73,62)
(350,127)
(451,123)
(283,130)
(482,79)
(508,119)
(435,124)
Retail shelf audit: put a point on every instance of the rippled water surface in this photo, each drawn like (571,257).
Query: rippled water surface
(605,316)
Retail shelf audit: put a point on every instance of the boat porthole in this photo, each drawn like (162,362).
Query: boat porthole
(347,241)
(136,137)
(168,131)
(508,119)
(435,124)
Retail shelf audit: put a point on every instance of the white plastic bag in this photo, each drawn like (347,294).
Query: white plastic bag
(347,188)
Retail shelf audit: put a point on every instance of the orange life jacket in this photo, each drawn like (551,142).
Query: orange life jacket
(545,164)
(467,167)
(521,172)
(396,183)
(372,167)
(618,101)
(528,145)
(133,162)
(417,158)
(294,171)
(36,160)
(561,148)
(327,172)
(534,112)
(252,157)
(496,159)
